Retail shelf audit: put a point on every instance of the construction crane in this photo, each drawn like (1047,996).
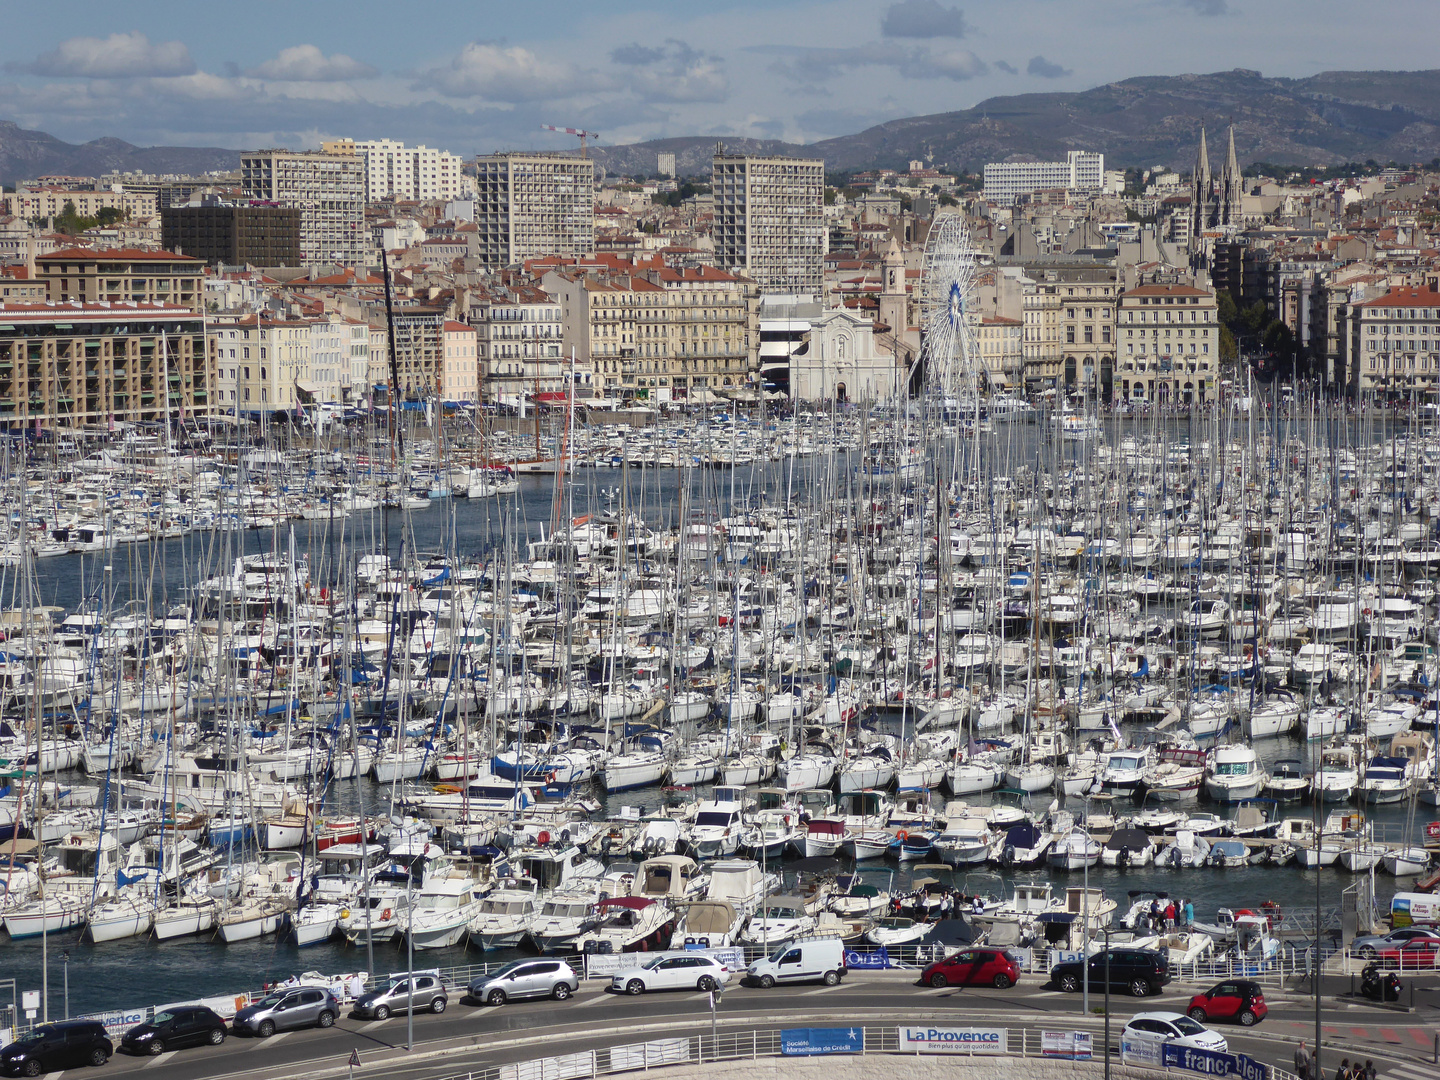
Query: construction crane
(573,131)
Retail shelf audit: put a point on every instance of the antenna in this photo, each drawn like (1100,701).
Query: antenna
(573,131)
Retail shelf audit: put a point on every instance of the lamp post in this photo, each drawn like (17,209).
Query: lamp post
(1107,1003)
(410,962)
(65,959)
(1085,925)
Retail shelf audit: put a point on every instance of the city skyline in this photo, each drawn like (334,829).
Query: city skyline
(477,78)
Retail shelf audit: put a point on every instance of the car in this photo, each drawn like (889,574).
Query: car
(52,1047)
(973,967)
(1173,1029)
(526,979)
(287,1009)
(1237,999)
(1140,971)
(1412,955)
(172,1029)
(692,971)
(1370,946)
(428,993)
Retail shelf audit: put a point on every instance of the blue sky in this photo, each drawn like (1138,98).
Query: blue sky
(479,76)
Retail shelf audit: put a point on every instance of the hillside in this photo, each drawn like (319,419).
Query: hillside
(1329,118)
(25,155)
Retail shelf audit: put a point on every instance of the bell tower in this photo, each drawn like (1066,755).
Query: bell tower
(894,306)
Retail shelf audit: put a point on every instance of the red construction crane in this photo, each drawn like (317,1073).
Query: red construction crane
(573,131)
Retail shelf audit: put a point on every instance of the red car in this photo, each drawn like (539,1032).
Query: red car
(1237,999)
(1412,955)
(973,967)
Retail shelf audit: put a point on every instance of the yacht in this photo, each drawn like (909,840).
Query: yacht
(1234,774)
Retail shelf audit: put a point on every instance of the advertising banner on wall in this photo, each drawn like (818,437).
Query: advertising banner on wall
(952,1040)
(1211,1063)
(803,1042)
(1066,1044)
(873,958)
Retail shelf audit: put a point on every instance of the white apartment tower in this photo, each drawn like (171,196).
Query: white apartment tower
(531,204)
(328,190)
(770,221)
(1008,181)
(396,171)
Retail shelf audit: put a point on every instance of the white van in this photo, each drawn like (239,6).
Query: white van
(1414,909)
(821,959)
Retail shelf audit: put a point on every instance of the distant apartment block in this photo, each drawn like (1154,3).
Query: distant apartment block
(412,173)
(233,235)
(327,189)
(770,221)
(1006,182)
(530,204)
(43,201)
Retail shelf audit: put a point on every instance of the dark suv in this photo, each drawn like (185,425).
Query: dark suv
(1141,971)
(52,1047)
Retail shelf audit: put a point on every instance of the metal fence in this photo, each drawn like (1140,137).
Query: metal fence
(749,1046)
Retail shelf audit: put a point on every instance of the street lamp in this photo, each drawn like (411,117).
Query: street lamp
(1107,1003)
(65,959)
(410,961)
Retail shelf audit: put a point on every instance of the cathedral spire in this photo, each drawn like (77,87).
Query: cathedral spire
(1230,185)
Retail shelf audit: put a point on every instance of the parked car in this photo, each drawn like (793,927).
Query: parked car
(526,979)
(1370,945)
(1412,955)
(285,1010)
(809,960)
(51,1047)
(973,967)
(690,972)
(428,993)
(1140,971)
(1237,999)
(1172,1028)
(185,1025)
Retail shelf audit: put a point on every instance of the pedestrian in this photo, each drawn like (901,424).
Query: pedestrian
(1189,913)
(1155,913)
(1369,1070)
(1302,1061)
(1343,1072)
(1169,914)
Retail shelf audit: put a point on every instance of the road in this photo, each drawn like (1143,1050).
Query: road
(469,1036)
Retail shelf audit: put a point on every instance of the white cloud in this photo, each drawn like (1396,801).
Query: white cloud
(674,72)
(119,56)
(818,65)
(494,71)
(306,63)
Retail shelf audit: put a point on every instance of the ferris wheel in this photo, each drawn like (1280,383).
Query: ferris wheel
(948,347)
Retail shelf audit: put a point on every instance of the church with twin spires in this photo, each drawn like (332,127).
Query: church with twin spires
(1214,205)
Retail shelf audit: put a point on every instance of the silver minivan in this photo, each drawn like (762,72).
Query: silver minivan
(283,1010)
(429,993)
(526,979)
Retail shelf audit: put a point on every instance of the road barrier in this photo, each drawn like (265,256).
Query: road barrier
(891,1039)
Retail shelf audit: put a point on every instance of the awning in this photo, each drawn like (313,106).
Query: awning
(307,389)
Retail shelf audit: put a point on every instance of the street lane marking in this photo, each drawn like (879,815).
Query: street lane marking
(1389,1034)
(158,1058)
(822,990)
(373,1024)
(273,1039)
(1420,1035)
(598,999)
(1411,1072)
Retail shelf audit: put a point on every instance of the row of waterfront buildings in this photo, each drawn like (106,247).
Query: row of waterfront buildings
(523,278)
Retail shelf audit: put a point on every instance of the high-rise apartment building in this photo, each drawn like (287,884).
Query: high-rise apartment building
(219,232)
(1008,181)
(529,204)
(327,189)
(396,171)
(770,221)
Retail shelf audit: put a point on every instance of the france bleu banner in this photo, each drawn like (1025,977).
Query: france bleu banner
(1212,1063)
(807,1041)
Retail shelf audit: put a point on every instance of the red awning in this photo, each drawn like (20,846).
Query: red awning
(551,396)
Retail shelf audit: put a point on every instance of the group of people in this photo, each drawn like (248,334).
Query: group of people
(1304,1067)
(1166,914)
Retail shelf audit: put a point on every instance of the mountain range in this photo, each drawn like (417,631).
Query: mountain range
(1324,119)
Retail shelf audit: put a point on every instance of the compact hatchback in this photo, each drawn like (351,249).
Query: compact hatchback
(526,979)
(1236,1000)
(285,1010)
(690,972)
(973,967)
(428,993)
(1174,1029)
(52,1047)
(189,1025)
